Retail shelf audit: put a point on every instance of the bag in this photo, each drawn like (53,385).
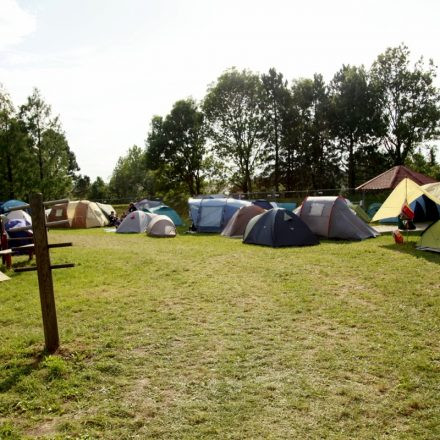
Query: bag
(398,237)
(406,213)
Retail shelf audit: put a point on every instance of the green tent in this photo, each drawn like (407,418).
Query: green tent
(169,212)
(430,239)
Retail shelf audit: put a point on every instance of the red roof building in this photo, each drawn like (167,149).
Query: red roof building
(391,178)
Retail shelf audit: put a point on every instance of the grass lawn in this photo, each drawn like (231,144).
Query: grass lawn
(205,337)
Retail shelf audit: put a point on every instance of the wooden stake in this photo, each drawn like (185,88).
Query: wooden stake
(45,282)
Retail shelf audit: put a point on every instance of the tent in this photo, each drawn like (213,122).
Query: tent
(161,226)
(80,214)
(135,222)
(19,215)
(22,238)
(278,227)
(290,206)
(331,217)
(147,204)
(169,212)
(359,211)
(106,209)
(212,214)
(11,204)
(433,188)
(238,222)
(430,238)
(265,204)
(424,204)
(391,178)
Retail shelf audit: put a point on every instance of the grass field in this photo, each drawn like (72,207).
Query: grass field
(205,337)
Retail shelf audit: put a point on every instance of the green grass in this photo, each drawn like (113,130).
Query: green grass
(205,337)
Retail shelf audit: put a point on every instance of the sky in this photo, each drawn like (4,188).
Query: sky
(107,67)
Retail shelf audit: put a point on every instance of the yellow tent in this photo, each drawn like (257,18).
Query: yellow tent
(405,191)
(433,188)
(430,239)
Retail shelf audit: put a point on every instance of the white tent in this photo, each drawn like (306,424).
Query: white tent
(161,226)
(135,222)
(19,215)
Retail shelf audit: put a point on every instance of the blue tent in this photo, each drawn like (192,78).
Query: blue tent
(262,203)
(11,204)
(290,206)
(169,212)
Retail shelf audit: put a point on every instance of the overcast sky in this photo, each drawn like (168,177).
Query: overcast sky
(107,66)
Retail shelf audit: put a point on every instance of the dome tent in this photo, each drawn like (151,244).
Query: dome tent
(135,222)
(277,228)
(211,214)
(169,212)
(430,238)
(331,217)
(80,214)
(238,222)
(161,226)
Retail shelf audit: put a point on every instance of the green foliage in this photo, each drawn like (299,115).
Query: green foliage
(56,367)
(98,190)
(409,101)
(176,147)
(426,165)
(236,124)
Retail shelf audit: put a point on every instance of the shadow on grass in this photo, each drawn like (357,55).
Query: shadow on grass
(409,248)
(16,373)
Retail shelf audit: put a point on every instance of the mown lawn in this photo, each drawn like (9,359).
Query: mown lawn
(204,337)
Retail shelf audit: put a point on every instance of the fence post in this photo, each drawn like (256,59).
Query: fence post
(45,282)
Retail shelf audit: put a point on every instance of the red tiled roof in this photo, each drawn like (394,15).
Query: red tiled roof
(391,178)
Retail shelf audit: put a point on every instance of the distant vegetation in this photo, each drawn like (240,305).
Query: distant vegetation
(250,133)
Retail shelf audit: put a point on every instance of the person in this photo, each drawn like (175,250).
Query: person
(131,207)
(113,219)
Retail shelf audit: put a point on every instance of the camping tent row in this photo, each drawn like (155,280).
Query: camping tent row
(155,225)
(328,217)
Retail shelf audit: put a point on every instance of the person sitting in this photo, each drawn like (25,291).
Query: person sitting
(113,219)
(132,208)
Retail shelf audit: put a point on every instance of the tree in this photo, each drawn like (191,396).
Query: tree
(318,162)
(55,163)
(98,190)
(275,102)
(81,187)
(236,124)
(409,101)
(354,114)
(130,179)
(176,146)
(15,173)
(417,161)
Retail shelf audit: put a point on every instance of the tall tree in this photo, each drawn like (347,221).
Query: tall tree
(275,101)
(236,124)
(15,174)
(176,146)
(355,117)
(98,190)
(55,162)
(319,162)
(130,178)
(409,99)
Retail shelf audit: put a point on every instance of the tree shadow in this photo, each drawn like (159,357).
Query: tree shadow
(409,248)
(16,373)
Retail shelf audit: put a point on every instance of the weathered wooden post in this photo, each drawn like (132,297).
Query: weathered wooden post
(45,282)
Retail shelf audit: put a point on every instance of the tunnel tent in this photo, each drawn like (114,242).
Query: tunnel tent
(210,214)
(135,222)
(331,217)
(79,214)
(169,212)
(424,204)
(161,226)
(238,222)
(430,238)
(106,209)
(278,228)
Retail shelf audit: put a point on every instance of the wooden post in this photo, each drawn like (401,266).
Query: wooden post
(45,282)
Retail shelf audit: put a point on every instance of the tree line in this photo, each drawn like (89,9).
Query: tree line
(251,132)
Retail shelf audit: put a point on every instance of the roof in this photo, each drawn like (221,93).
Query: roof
(391,178)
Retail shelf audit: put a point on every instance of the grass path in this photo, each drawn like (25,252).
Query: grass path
(204,337)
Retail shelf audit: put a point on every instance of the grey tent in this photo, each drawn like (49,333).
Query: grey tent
(331,217)
(238,222)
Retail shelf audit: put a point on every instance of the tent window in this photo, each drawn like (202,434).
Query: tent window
(316,209)
(59,213)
